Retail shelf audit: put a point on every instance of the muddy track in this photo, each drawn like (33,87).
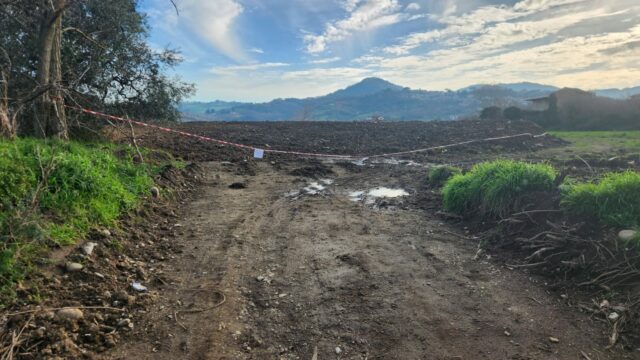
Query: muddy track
(266,275)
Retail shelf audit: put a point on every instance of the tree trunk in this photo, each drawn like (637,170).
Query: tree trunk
(6,126)
(50,118)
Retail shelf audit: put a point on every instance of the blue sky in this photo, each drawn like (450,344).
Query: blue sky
(258,50)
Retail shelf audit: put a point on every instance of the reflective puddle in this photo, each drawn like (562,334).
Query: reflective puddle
(380,192)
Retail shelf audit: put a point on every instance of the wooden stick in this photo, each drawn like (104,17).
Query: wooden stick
(64,308)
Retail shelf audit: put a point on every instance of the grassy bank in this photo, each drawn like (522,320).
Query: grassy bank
(600,141)
(52,193)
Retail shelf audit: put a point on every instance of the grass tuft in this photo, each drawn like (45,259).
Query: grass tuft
(52,193)
(440,174)
(615,200)
(496,188)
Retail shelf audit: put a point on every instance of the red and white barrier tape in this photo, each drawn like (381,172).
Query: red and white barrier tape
(247,147)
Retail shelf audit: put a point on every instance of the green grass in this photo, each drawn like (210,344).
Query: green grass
(440,174)
(614,200)
(496,188)
(600,141)
(52,193)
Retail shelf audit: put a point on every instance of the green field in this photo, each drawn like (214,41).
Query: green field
(600,142)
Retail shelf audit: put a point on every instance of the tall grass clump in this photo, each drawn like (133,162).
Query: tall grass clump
(440,174)
(496,188)
(53,193)
(614,200)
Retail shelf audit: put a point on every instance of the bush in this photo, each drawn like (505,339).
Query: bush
(440,174)
(615,200)
(86,186)
(496,188)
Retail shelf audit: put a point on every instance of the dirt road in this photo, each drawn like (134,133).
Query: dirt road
(272,271)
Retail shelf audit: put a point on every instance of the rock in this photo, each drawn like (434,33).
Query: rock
(338,350)
(238,185)
(70,314)
(73,267)
(124,298)
(87,248)
(155,192)
(109,340)
(604,304)
(105,233)
(554,340)
(627,235)
(613,316)
(125,323)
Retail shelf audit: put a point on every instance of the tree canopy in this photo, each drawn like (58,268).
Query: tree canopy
(90,53)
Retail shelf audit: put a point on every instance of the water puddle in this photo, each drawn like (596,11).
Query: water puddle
(383,192)
(386,161)
(312,188)
(369,197)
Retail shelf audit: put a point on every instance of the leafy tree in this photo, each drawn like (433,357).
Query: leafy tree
(97,58)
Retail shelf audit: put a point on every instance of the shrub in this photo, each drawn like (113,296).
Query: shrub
(615,200)
(440,174)
(496,188)
(86,185)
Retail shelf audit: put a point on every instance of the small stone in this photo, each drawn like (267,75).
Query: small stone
(125,323)
(155,192)
(70,314)
(627,235)
(260,278)
(507,333)
(338,350)
(87,248)
(604,304)
(554,340)
(105,233)
(613,316)
(282,295)
(73,267)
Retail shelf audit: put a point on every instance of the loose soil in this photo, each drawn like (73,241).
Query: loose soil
(268,270)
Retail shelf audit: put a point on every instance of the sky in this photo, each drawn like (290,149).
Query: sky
(258,50)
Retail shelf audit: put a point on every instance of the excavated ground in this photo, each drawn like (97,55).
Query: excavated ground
(289,258)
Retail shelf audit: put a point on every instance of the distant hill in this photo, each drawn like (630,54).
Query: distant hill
(368,86)
(376,97)
(619,93)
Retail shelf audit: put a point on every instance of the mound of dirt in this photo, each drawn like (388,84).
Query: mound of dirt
(314,170)
(75,311)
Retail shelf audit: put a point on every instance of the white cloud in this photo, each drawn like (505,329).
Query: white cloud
(363,15)
(213,20)
(413,7)
(456,27)
(326,60)
(580,61)
(226,70)
(257,50)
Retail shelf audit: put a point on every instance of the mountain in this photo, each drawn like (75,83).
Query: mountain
(197,107)
(368,86)
(377,97)
(519,87)
(618,93)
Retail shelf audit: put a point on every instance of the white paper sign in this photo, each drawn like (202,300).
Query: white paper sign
(258,153)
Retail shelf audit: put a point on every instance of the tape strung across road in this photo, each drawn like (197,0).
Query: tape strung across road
(306,154)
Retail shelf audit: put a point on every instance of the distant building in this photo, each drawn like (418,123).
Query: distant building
(539,104)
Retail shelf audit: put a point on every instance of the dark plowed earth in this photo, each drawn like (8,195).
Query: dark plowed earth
(272,271)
